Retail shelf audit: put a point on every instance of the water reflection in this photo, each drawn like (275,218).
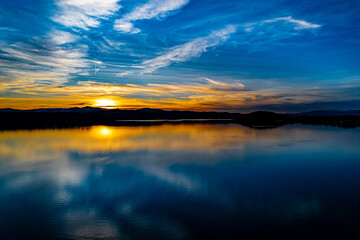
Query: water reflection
(179,182)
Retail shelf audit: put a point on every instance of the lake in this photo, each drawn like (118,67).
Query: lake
(180,181)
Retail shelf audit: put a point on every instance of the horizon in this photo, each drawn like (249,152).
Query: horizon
(169,110)
(188,55)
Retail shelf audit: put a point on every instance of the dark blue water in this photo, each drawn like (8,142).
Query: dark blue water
(180,182)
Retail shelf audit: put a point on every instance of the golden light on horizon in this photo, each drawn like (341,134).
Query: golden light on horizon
(105,103)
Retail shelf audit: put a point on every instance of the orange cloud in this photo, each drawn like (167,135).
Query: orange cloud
(198,96)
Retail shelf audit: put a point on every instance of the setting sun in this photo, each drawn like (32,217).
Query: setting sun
(105,103)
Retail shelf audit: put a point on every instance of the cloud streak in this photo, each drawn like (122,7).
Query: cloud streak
(84,13)
(209,95)
(31,67)
(186,51)
(225,85)
(201,96)
(299,24)
(61,37)
(196,47)
(151,9)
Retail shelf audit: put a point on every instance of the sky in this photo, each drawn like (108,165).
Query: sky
(202,55)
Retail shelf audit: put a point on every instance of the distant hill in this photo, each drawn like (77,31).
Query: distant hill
(53,110)
(328,113)
(157,111)
(87,116)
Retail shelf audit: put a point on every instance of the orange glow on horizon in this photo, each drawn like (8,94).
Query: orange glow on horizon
(197,97)
(105,103)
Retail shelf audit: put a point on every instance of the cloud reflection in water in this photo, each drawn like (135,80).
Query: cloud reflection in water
(175,181)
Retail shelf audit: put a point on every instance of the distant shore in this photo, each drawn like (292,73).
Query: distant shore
(76,117)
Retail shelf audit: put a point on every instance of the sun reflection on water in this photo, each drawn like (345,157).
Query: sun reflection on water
(104,131)
(51,143)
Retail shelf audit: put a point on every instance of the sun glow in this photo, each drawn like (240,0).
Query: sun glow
(104,131)
(105,103)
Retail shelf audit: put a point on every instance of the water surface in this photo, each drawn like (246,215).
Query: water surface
(185,181)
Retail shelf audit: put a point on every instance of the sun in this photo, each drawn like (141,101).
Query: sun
(105,103)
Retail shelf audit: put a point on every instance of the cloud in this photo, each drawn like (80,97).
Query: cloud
(149,10)
(126,27)
(186,51)
(263,35)
(209,95)
(84,13)
(89,88)
(197,96)
(296,24)
(61,37)
(260,31)
(226,85)
(30,66)
(10,29)
(299,24)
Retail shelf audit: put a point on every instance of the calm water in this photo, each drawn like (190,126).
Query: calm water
(180,182)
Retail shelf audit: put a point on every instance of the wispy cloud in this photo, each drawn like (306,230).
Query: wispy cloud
(209,95)
(255,31)
(10,29)
(151,89)
(61,37)
(299,24)
(263,35)
(33,67)
(149,10)
(186,51)
(84,13)
(60,56)
(197,96)
(222,84)
(290,22)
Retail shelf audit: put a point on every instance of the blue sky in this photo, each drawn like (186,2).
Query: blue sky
(181,54)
